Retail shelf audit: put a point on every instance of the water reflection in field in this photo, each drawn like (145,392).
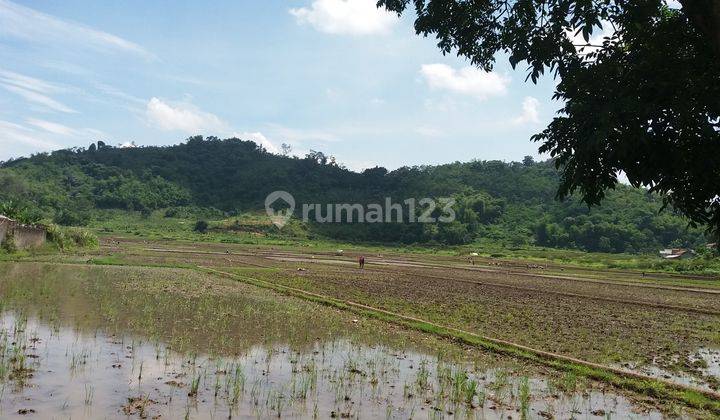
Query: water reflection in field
(80,342)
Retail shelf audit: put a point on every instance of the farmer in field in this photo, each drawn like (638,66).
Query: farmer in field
(361,261)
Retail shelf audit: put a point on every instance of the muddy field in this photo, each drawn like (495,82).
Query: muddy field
(89,341)
(155,296)
(660,325)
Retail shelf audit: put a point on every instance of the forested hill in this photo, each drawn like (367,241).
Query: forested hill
(496,201)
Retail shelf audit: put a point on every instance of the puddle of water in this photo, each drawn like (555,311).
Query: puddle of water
(704,366)
(89,342)
(711,360)
(679,377)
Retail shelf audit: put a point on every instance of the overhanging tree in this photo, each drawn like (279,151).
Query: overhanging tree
(644,100)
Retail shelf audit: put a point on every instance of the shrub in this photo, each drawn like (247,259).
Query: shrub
(201,226)
(20,212)
(83,238)
(68,238)
(56,235)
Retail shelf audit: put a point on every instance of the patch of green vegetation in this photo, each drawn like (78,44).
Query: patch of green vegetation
(255,229)
(19,212)
(157,226)
(120,261)
(502,204)
(67,238)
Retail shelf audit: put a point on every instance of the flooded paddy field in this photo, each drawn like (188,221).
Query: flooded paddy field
(626,334)
(668,331)
(88,341)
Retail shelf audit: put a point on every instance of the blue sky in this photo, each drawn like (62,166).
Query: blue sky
(332,75)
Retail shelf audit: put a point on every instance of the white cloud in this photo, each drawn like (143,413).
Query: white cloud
(117,93)
(530,113)
(347,17)
(357,165)
(182,117)
(41,136)
(62,130)
(40,99)
(25,23)
(258,138)
(51,127)
(15,136)
(467,80)
(33,90)
(27,82)
(68,68)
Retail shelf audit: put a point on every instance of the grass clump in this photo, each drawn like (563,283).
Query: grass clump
(71,238)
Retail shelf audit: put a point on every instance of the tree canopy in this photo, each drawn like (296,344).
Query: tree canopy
(642,101)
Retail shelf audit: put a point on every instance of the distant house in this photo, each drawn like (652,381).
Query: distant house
(677,253)
(22,236)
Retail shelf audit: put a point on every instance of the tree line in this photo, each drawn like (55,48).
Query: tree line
(512,203)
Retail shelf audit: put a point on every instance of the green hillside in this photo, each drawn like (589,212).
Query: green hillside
(509,203)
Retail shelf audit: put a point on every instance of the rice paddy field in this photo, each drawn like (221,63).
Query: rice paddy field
(173,329)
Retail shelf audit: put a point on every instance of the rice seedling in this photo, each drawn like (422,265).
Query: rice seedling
(237,386)
(89,394)
(524,396)
(194,386)
(569,382)
(469,391)
(481,396)
(277,400)
(78,359)
(423,377)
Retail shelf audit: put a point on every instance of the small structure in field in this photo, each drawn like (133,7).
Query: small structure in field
(22,236)
(677,253)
